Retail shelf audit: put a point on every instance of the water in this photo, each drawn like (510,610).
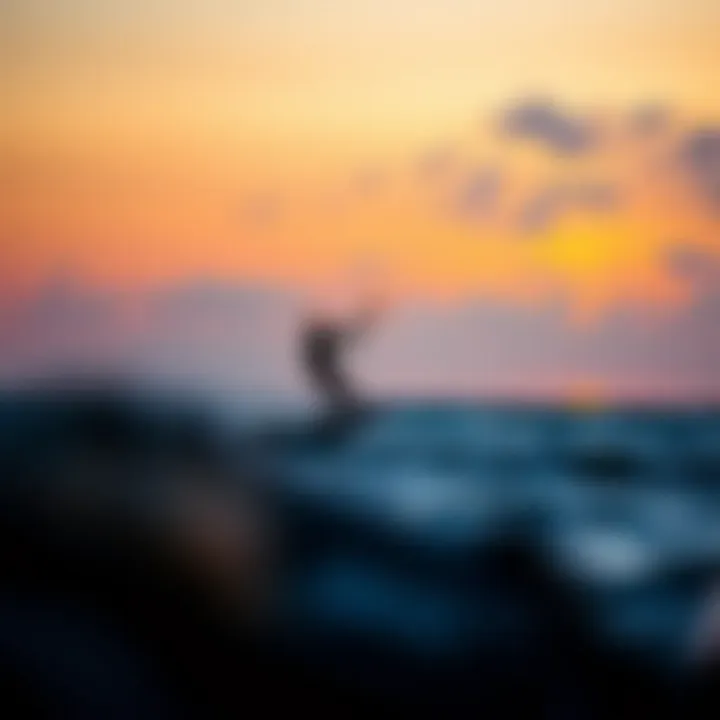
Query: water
(436,552)
(620,508)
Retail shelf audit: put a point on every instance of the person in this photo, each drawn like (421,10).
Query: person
(325,343)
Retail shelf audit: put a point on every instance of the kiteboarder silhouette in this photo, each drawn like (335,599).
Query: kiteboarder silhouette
(325,345)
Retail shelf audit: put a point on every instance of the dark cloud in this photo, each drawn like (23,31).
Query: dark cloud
(544,122)
(698,159)
(549,204)
(478,195)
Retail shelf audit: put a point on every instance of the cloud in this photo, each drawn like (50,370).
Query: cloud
(649,120)
(368,181)
(436,163)
(697,266)
(698,159)
(544,122)
(595,196)
(64,323)
(241,339)
(233,331)
(494,347)
(204,331)
(478,195)
(541,211)
(549,204)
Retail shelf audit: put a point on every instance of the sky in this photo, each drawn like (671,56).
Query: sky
(533,186)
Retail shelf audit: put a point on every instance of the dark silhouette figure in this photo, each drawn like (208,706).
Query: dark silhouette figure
(324,346)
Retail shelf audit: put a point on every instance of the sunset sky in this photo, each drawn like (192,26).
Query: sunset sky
(535,182)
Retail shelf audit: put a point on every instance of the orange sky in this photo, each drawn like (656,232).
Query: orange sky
(144,142)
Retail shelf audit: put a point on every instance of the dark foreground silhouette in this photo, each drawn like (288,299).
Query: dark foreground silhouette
(150,570)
